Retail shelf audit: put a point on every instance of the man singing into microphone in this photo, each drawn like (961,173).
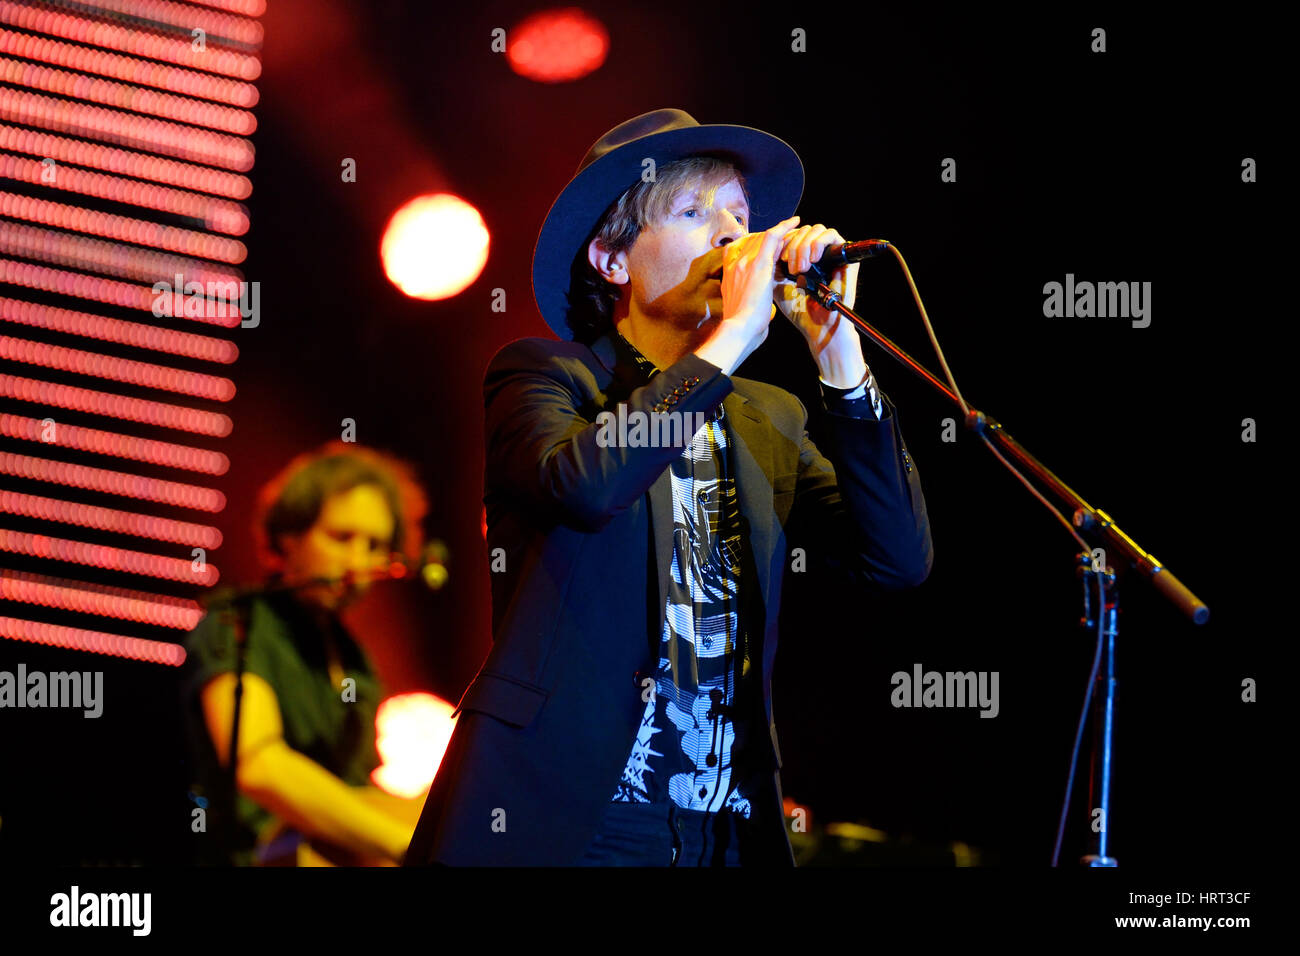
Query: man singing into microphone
(306,736)
(624,714)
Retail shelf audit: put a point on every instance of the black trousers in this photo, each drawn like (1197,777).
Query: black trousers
(656,834)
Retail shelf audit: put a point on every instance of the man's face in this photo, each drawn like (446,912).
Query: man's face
(670,264)
(353,533)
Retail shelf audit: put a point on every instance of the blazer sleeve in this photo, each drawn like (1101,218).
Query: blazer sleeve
(863,500)
(544,442)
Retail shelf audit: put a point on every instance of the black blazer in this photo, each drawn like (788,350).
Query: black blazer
(587,535)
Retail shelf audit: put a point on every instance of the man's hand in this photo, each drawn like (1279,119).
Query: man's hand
(831,338)
(748,282)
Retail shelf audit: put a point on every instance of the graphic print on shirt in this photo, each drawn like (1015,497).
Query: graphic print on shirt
(701,649)
(632,788)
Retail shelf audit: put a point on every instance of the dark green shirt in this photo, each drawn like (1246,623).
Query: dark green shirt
(286,647)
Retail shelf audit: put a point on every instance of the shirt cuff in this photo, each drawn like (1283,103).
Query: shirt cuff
(860,401)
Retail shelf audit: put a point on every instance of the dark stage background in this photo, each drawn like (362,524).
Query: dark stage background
(1122,166)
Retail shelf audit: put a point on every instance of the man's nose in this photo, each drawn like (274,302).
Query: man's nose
(359,554)
(729,228)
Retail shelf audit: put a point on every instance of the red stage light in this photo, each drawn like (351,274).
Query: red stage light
(556,46)
(434,246)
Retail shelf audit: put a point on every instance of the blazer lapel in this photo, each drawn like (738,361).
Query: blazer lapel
(752,464)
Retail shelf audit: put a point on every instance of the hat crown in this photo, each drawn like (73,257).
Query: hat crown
(638,127)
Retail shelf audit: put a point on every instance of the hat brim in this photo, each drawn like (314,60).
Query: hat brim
(773,175)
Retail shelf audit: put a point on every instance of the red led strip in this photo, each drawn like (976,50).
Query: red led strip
(221,215)
(112,482)
(121,603)
(111,159)
(102,290)
(115,330)
(183,15)
(111,443)
(109,558)
(115,406)
(126,97)
(121,370)
(80,639)
(129,69)
(110,519)
(96,255)
(128,40)
(249,8)
(122,227)
(126,129)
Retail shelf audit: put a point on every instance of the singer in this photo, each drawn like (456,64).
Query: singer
(306,748)
(624,714)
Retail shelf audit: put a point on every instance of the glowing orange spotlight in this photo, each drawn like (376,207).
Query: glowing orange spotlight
(434,246)
(556,46)
(411,734)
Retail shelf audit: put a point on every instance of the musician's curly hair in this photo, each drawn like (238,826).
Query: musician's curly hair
(291,502)
(591,297)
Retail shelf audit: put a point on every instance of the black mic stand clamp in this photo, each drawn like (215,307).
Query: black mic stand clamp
(818,286)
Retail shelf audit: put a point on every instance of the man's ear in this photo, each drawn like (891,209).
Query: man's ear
(611,265)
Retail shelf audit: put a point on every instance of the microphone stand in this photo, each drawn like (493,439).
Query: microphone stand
(1085,518)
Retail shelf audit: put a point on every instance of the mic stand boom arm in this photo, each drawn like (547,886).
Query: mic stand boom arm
(1085,518)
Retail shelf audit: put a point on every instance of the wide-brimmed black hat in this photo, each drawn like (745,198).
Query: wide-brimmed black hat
(772,170)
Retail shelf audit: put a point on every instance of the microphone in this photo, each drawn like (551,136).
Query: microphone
(431,566)
(837,255)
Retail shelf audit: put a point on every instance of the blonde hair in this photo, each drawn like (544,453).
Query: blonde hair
(591,297)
